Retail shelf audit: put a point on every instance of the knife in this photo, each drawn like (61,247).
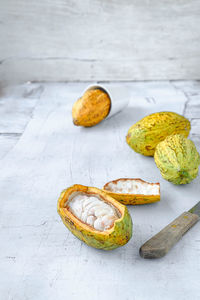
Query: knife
(163,241)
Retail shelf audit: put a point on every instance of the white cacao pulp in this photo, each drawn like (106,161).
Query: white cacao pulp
(133,186)
(93,211)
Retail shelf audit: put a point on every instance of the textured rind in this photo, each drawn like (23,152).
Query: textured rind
(116,236)
(91,108)
(144,136)
(132,199)
(178,159)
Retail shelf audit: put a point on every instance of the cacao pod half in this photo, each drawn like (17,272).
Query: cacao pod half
(117,235)
(133,191)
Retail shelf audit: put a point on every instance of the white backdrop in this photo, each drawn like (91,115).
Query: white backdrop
(76,40)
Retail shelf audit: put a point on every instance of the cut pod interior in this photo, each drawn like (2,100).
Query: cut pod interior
(133,186)
(93,210)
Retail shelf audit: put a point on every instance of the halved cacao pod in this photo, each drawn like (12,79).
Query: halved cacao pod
(91,108)
(133,191)
(118,235)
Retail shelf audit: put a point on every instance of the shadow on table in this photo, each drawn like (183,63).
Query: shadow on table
(124,119)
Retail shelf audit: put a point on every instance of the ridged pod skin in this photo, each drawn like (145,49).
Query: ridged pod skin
(144,136)
(132,199)
(178,159)
(91,108)
(118,235)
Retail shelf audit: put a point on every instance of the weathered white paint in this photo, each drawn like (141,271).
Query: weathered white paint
(40,258)
(99,40)
(16,106)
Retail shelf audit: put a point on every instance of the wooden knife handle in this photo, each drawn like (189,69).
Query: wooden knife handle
(163,241)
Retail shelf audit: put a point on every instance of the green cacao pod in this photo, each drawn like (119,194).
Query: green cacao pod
(178,159)
(144,136)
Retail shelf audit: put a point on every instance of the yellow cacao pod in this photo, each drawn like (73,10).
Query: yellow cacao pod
(91,108)
(144,136)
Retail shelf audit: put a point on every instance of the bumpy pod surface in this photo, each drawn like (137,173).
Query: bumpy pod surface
(133,191)
(144,136)
(118,235)
(178,159)
(91,108)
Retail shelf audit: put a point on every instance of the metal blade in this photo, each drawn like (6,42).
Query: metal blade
(195,209)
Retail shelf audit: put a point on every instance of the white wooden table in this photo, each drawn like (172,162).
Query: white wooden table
(42,153)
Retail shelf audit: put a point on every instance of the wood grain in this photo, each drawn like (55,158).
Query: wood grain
(159,245)
(99,40)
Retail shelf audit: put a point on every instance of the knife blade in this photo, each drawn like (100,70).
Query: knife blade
(159,245)
(195,209)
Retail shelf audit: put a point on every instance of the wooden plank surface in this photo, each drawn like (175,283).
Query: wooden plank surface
(40,258)
(99,40)
(16,107)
